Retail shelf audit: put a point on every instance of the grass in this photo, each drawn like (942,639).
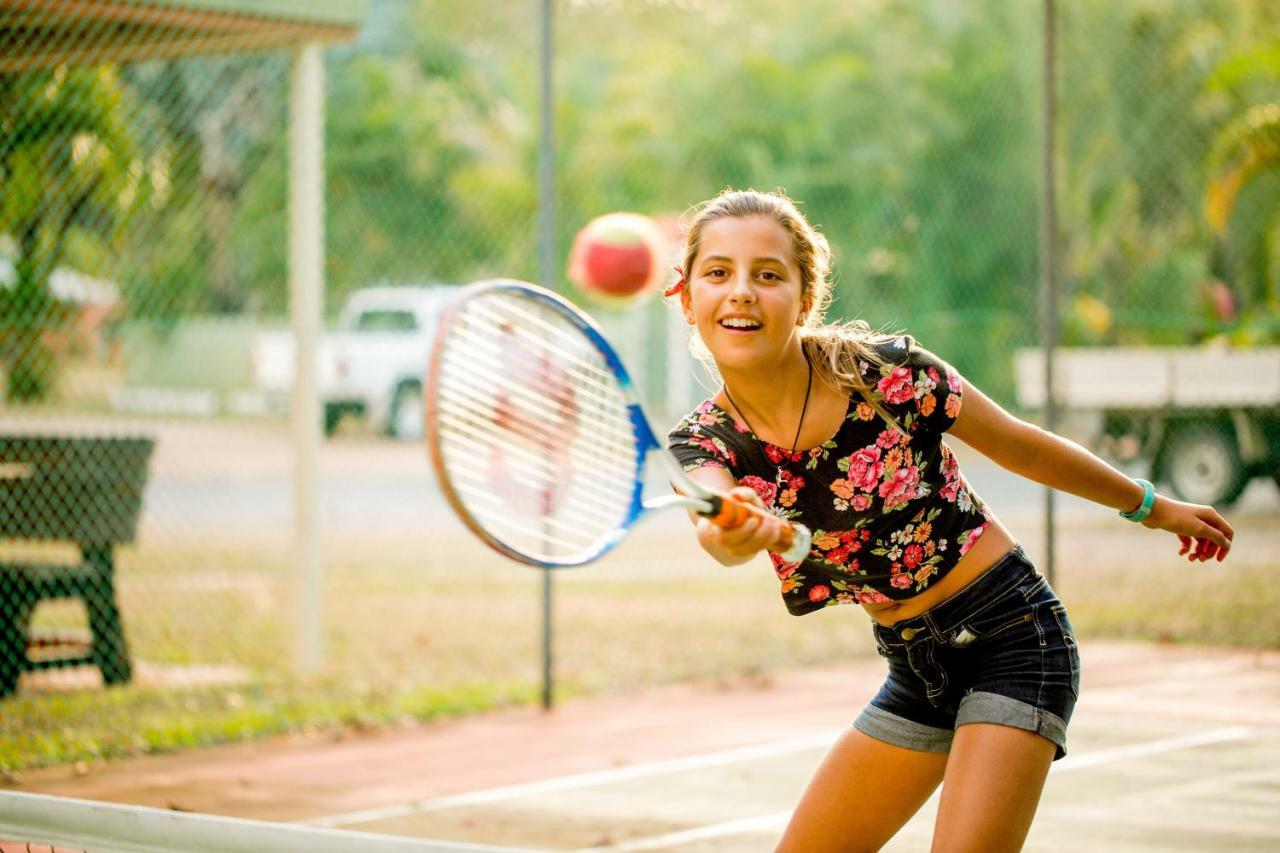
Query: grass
(421,629)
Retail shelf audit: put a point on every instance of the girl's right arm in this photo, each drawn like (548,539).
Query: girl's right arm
(740,544)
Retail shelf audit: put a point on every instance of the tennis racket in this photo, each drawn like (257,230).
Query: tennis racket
(537,435)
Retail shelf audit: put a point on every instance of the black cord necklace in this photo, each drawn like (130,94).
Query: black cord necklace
(803,408)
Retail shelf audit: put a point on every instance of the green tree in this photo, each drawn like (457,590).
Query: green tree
(1243,184)
(65,168)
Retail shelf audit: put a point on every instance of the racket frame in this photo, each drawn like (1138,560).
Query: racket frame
(691,495)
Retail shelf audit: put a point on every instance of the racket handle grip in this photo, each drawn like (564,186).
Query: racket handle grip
(729,513)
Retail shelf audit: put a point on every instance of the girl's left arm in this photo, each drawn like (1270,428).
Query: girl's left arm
(1060,463)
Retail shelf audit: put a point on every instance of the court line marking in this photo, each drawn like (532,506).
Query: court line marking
(580,780)
(776,821)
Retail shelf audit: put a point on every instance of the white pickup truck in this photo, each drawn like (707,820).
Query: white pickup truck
(372,365)
(1205,420)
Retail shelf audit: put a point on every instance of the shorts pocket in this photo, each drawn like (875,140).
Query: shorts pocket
(991,623)
(1063,622)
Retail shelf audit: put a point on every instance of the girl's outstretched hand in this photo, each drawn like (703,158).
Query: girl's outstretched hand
(1203,533)
(756,533)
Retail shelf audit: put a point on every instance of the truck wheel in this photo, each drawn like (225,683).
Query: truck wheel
(1203,465)
(408,412)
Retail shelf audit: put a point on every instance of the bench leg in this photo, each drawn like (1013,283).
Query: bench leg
(110,652)
(13,639)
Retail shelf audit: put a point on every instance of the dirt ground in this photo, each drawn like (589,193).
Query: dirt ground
(317,778)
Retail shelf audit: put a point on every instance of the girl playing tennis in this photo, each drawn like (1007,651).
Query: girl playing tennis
(842,430)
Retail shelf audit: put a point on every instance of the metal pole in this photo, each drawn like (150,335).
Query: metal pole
(1049,260)
(547,276)
(306,287)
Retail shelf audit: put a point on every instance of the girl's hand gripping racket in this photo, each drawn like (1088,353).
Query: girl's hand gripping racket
(537,435)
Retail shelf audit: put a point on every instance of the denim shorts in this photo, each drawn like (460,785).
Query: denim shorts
(1001,651)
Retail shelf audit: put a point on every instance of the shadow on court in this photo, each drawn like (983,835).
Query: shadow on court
(1172,748)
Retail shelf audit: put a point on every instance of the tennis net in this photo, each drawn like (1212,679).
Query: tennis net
(39,823)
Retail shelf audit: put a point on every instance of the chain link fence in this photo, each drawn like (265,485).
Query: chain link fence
(146,465)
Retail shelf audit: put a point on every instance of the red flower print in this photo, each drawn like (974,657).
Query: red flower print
(766,490)
(897,386)
(933,374)
(953,381)
(912,555)
(865,468)
(900,581)
(740,426)
(867,595)
(819,593)
(776,454)
(973,536)
(901,486)
(781,567)
(950,491)
(887,438)
(860,502)
(708,419)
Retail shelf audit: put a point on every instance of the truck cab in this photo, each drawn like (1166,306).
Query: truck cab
(377,358)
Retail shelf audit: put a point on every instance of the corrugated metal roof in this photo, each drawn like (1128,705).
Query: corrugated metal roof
(37,34)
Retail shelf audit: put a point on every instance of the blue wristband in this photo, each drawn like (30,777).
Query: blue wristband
(1148,501)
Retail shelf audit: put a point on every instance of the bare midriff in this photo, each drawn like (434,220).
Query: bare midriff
(995,542)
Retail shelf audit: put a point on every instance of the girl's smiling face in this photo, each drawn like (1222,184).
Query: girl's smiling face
(744,291)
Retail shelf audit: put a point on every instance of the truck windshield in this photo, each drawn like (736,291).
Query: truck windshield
(386,321)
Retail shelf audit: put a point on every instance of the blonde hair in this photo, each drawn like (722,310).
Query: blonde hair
(836,350)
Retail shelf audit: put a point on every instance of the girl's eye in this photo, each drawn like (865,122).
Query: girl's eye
(770,275)
(716,272)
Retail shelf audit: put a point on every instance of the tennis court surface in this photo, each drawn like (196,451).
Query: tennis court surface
(1172,748)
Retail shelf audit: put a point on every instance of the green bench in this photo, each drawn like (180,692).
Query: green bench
(82,490)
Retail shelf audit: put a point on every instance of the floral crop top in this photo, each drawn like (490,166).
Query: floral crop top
(890,512)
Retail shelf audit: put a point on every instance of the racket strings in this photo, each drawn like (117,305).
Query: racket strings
(590,381)
(481,405)
(584,501)
(533,428)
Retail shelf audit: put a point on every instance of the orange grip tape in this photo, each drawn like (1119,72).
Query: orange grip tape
(734,513)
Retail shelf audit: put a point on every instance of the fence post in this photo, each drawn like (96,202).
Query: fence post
(1049,259)
(547,274)
(306,289)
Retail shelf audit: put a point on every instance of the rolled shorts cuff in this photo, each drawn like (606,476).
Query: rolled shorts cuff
(983,707)
(899,731)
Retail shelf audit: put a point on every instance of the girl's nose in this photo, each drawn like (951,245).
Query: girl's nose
(742,291)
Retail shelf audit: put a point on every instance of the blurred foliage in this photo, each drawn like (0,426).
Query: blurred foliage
(65,157)
(910,131)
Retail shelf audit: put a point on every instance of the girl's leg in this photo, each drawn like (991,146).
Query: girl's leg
(992,787)
(863,793)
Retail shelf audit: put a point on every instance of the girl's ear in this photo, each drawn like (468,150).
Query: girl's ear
(686,305)
(806,305)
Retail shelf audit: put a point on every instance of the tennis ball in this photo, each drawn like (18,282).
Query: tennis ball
(618,256)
